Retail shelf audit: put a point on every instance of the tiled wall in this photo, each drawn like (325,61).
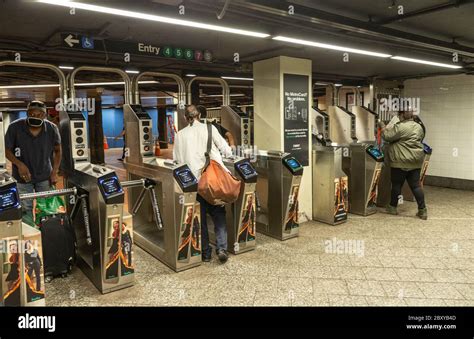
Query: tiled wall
(447,109)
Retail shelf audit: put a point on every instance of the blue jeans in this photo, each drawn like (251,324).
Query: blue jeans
(27,205)
(217,214)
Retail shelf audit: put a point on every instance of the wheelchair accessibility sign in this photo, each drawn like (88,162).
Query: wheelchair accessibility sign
(87,42)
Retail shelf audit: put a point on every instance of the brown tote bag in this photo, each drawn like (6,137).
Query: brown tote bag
(217,186)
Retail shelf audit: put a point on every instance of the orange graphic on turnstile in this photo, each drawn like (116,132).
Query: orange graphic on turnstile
(341,205)
(291,220)
(247,225)
(186,236)
(373,189)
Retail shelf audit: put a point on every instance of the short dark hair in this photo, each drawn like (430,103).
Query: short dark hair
(202,111)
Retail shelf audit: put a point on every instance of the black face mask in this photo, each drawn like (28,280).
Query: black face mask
(34,122)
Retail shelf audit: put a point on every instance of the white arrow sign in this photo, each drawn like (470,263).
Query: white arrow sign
(70,40)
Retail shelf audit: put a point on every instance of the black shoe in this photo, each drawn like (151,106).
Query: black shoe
(222,255)
(206,258)
(120,159)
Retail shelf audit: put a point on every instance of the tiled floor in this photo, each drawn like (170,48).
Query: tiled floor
(401,261)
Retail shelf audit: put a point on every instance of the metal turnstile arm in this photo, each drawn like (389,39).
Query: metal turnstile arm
(148,185)
(47,194)
(82,202)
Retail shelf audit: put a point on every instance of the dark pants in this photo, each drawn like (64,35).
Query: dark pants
(217,214)
(35,266)
(398,177)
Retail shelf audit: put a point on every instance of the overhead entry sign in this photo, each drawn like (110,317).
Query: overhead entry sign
(85,43)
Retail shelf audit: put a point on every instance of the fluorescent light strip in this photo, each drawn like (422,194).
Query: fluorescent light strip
(150,17)
(220,95)
(12,102)
(29,86)
(191,75)
(425,62)
(237,78)
(160,97)
(327,46)
(66,67)
(131,71)
(79,84)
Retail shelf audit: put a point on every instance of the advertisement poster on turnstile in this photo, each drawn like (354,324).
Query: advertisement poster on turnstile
(247,219)
(296,108)
(291,220)
(196,233)
(33,264)
(185,233)
(372,197)
(341,195)
(112,248)
(11,281)
(126,246)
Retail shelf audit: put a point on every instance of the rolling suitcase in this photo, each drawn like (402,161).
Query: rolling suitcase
(59,245)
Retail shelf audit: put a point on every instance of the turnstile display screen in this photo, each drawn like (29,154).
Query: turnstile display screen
(140,112)
(111,186)
(9,199)
(375,153)
(293,165)
(185,178)
(246,171)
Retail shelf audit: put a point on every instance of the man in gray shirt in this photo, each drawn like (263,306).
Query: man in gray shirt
(33,145)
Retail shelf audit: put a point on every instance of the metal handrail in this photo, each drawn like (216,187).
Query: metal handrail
(175,77)
(220,81)
(59,73)
(127,82)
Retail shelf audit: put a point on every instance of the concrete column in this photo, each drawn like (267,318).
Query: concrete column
(269,116)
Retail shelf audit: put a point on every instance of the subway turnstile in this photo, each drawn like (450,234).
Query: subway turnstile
(330,183)
(169,225)
(22,280)
(239,123)
(364,171)
(104,242)
(240,215)
(278,184)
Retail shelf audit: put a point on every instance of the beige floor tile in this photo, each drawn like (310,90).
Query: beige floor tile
(330,286)
(439,290)
(299,285)
(454,276)
(396,262)
(427,263)
(365,261)
(347,272)
(402,289)
(365,287)
(379,273)
(424,302)
(467,290)
(334,260)
(414,274)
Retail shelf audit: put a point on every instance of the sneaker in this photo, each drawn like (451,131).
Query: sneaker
(206,258)
(222,255)
(391,210)
(120,159)
(422,213)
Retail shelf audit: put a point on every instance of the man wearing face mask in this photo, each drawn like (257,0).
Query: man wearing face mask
(33,145)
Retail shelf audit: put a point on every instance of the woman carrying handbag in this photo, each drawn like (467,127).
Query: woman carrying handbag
(200,146)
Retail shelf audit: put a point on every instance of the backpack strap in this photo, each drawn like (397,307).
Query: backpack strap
(209,145)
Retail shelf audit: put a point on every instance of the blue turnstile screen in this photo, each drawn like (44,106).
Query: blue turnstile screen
(9,199)
(185,178)
(111,185)
(375,153)
(246,171)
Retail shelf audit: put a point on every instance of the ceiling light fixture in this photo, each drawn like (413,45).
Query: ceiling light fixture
(150,17)
(190,75)
(425,62)
(328,46)
(237,78)
(66,67)
(130,71)
(84,84)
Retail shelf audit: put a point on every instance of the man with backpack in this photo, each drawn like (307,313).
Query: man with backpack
(190,147)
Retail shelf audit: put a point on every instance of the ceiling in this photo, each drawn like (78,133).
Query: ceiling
(430,29)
